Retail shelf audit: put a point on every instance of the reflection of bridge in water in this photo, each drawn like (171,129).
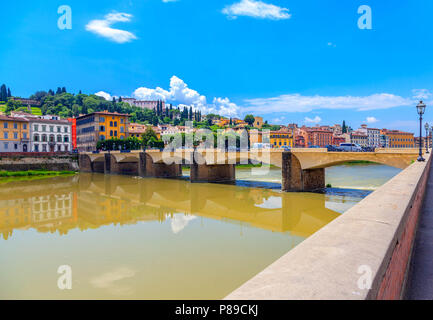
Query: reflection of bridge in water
(97,200)
(302,169)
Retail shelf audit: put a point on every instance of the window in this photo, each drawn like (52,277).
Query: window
(16,146)
(66,147)
(6,144)
(66,129)
(59,129)
(115,133)
(111,123)
(59,138)
(36,138)
(44,128)
(15,135)
(115,123)
(15,125)
(51,128)
(102,128)
(111,133)
(25,135)
(5,125)
(122,129)
(5,135)
(66,139)
(25,126)
(121,120)
(101,137)
(36,148)
(101,119)
(35,127)
(44,148)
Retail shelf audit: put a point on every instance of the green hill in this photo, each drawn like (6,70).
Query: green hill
(36,111)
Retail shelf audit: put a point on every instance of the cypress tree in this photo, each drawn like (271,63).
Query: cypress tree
(63,90)
(3,93)
(59,90)
(9,93)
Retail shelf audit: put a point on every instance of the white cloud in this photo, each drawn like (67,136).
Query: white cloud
(299,103)
(104,95)
(372,120)
(422,94)
(180,93)
(278,120)
(256,9)
(316,120)
(170,0)
(103,27)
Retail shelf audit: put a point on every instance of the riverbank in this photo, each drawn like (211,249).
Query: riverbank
(32,173)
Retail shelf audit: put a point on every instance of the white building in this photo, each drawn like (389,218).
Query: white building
(144,104)
(373,136)
(50,135)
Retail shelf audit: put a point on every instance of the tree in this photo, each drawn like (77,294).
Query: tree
(63,90)
(249,118)
(148,134)
(59,90)
(3,93)
(344,128)
(9,93)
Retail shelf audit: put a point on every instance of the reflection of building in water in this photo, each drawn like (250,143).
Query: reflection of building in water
(96,200)
(48,208)
(42,212)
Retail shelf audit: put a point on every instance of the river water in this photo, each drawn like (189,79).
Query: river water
(131,238)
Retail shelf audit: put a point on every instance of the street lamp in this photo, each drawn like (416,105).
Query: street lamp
(431,136)
(420,108)
(426,137)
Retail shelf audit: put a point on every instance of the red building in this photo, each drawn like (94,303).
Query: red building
(74,132)
(337,140)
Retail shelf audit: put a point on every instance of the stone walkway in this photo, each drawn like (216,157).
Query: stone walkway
(420,280)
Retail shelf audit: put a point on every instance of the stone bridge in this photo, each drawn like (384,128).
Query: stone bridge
(302,169)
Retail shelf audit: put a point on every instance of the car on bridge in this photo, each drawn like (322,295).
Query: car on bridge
(350,147)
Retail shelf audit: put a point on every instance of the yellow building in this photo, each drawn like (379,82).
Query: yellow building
(258,122)
(99,126)
(14,134)
(280,139)
(399,139)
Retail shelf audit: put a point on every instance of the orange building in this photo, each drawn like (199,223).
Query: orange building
(399,139)
(99,126)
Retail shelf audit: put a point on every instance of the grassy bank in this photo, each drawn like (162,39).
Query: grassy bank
(33,173)
(358,162)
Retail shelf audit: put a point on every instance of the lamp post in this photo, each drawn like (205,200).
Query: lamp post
(431,136)
(426,137)
(420,108)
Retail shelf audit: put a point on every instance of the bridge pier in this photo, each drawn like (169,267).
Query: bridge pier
(295,179)
(85,163)
(212,173)
(147,168)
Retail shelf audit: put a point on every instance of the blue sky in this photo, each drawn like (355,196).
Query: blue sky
(303,61)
